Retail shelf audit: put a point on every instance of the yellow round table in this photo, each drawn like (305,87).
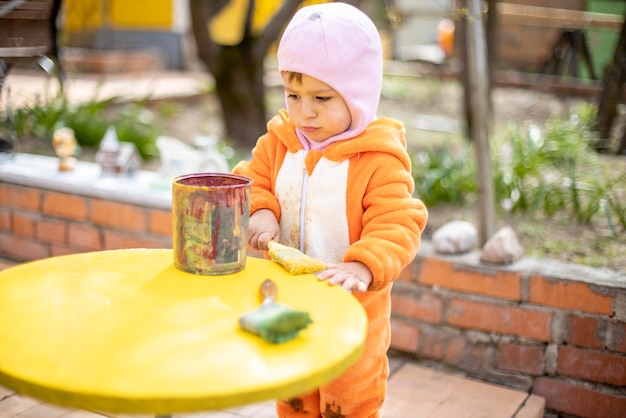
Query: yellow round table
(126,331)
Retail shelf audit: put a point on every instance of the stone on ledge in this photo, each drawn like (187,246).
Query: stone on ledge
(455,237)
(502,248)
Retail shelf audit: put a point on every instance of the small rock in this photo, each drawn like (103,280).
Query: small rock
(502,248)
(455,237)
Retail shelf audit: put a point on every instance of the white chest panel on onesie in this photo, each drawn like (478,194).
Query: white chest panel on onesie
(313,207)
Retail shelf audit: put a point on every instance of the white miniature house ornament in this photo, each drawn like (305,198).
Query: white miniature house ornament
(117,157)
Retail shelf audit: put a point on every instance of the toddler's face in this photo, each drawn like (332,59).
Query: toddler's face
(317,109)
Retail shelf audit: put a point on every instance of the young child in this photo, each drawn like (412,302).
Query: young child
(333,180)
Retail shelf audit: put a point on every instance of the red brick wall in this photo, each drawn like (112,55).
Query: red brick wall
(540,326)
(554,329)
(37,223)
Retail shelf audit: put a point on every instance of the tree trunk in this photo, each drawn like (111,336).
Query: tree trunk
(240,89)
(238,69)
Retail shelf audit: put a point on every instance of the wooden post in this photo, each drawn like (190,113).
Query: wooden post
(612,87)
(478,74)
(460,39)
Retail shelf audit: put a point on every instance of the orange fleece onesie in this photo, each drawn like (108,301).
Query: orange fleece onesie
(343,197)
(362,209)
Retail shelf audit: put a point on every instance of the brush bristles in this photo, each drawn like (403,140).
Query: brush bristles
(294,261)
(275,323)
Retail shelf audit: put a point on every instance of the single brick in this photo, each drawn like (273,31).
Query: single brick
(598,366)
(441,345)
(5,220)
(84,237)
(521,358)
(578,401)
(404,336)
(161,222)
(455,351)
(119,215)
(501,284)
(52,231)
(24,225)
(22,249)
(574,296)
(473,315)
(585,332)
(530,323)
(424,306)
(65,205)
(498,318)
(22,197)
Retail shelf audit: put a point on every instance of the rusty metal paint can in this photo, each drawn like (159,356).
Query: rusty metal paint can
(210,214)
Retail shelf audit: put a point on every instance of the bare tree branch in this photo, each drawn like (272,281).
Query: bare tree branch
(201,12)
(215,6)
(276,26)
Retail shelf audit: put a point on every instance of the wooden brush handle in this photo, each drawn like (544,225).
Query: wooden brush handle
(269,290)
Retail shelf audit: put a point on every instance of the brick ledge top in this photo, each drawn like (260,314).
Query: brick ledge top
(530,266)
(144,188)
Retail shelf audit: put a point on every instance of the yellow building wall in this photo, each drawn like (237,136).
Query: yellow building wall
(264,10)
(227,27)
(82,15)
(144,14)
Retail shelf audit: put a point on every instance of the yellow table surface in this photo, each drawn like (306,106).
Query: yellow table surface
(126,331)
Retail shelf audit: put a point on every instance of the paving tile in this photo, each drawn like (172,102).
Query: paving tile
(43,410)
(15,405)
(83,414)
(5,392)
(429,393)
(534,407)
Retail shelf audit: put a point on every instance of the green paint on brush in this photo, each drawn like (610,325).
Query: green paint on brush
(274,322)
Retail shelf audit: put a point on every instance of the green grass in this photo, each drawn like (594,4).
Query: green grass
(134,122)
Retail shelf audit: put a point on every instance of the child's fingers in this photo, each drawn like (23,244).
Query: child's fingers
(344,279)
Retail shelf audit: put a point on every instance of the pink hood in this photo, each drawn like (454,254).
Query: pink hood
(339,45)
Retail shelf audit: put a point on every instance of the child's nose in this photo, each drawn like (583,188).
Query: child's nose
(308,109)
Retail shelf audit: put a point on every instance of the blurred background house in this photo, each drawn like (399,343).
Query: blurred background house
(156,32)
(156,28)
(138,35)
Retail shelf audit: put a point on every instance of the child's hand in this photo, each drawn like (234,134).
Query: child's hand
(352,276)
(262,228)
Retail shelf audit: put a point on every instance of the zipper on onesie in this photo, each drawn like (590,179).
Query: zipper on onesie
(305,179)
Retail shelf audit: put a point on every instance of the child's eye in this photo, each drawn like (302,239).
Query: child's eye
(293,96)
(322,98)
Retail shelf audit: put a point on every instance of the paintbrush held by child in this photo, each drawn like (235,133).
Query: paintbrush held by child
(334,181)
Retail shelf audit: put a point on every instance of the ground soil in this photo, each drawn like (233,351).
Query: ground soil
(432,111)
